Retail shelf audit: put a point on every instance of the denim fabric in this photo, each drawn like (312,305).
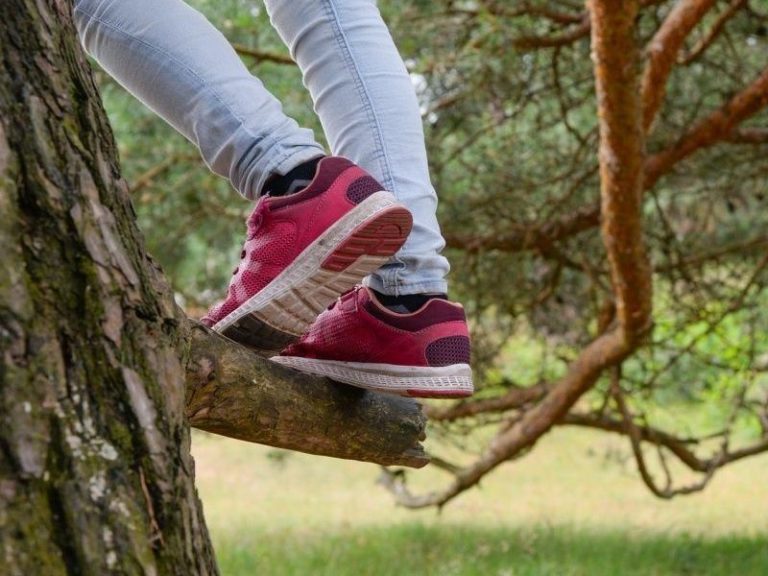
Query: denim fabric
(173,60)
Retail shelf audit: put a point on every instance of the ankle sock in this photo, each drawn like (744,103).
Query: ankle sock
(294,181)
(406,303)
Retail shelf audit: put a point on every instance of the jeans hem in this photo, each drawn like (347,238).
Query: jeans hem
(403,288)
(282,165)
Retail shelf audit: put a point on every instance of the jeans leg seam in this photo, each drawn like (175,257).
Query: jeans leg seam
(373,120)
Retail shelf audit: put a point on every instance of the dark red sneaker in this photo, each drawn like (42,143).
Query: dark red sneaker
(360,342)
(306,249)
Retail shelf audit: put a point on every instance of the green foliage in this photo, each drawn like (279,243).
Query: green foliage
(414,549)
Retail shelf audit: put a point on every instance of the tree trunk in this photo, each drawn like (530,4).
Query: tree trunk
(99,365)
(95,471)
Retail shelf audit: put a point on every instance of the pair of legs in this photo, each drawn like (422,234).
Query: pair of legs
(171,58)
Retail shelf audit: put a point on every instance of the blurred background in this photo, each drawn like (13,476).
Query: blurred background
(507,93)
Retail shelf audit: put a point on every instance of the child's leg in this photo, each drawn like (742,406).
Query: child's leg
(171,58)
(370,114)
(302,250)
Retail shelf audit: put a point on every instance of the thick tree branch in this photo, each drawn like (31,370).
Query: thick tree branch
(680,447)
(716,127)
(622,150)
(235,393)
(621,161)
(662,52)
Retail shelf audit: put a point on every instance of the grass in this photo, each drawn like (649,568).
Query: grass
(455,550)
(574,506)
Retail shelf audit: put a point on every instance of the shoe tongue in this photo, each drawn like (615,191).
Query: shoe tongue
(349,300)
(254,219)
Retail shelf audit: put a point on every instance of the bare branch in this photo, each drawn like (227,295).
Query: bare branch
(535,237)
(719,126)
(749,136)
(530,9)
(514,398)
(568,37)
(621,162)
(662,52)
(262,55)
(146,178)
(635,438)
(716,127)
(713,33)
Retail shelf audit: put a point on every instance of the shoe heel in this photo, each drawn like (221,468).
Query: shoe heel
(381,236)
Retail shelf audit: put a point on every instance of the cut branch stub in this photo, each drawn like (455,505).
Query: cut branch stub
(235,393)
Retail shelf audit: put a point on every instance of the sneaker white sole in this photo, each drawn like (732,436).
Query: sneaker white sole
(454,381)
(353,247)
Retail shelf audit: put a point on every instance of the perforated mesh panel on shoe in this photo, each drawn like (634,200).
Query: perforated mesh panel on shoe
(448,350)
(329,338)
(361,188)
(267,254)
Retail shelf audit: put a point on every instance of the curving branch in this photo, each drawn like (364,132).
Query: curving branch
(570,36)
(662,52)
(748,136)
(233,392)
(513,399)
(263,55)
(580,29)
(533,237)
(713,33)
(718,126)
(721,125)
(621,161)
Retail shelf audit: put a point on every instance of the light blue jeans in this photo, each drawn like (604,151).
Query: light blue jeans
(171,58)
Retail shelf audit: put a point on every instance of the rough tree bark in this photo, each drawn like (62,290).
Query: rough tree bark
(97,362)
(95,471)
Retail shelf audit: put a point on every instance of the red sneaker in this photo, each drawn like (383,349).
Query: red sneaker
(305,249)
(360,342)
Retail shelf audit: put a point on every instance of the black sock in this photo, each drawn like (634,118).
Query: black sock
(295,181)
(406,303)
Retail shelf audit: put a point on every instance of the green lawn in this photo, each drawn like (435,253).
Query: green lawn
(444,550)
(574,506)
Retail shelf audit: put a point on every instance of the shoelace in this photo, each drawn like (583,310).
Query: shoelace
(252,226)
(344,296)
